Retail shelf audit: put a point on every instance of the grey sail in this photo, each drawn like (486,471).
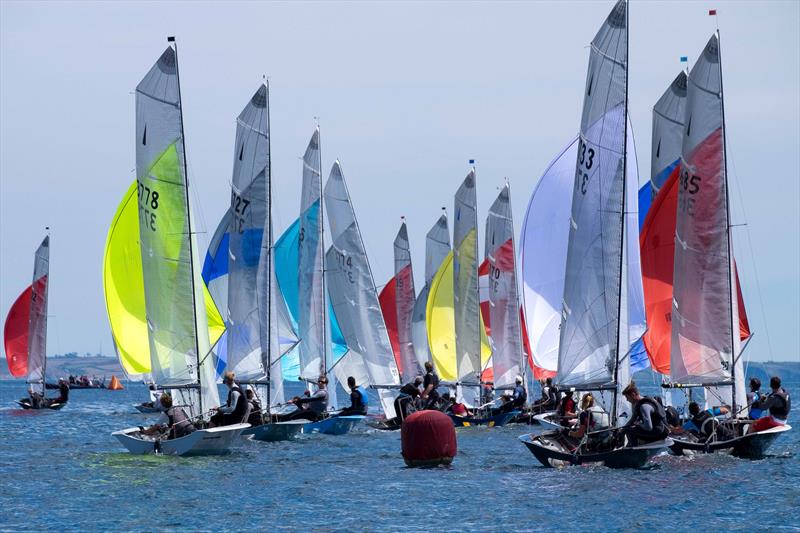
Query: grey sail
(594,308)
(354,299)
(465,290)
(405,300)
(506,331)
(437,246)
(250,224)
(37,327)
(668,116)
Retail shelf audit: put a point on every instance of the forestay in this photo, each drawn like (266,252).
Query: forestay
(354,298)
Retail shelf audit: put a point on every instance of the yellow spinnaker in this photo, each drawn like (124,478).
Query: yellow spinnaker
(123,284)
(440,322)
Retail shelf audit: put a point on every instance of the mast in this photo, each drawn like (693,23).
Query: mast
(734,296)
(321,247)
(171,39)
(270,318)
(622,214)
(517,306)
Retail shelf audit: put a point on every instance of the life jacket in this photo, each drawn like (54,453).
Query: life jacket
(522,397)
(658,418)
(178,423)
(241,403)
(598,419)
(755,412)
(700,419)
(364,398)
(781,408)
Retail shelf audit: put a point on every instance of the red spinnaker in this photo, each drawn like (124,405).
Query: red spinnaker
(15,334)
(389,310)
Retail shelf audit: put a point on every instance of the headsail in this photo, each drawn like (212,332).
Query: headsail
(404,298)
(25,330)
(705,346)
(354,298)
(594,317)
(437,246)
(504,317)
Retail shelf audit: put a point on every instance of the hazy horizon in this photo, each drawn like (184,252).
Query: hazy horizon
(406,95)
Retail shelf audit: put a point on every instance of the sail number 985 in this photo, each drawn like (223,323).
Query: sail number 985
(690,183)
(148,204)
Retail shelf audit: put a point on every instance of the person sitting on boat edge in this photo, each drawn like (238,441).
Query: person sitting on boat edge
(455,407)
(702,423)
(311,407)
(518,397)
(408,394)
(172,419)
(235,407)
(648,418)
(566,408)
(358,400)
(753,397)
(430,384)
(549,399)
(779,405)
(592,418)
(255,418)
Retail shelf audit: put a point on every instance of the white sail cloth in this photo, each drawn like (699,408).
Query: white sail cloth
(37,327)
(404,302)
(354,299)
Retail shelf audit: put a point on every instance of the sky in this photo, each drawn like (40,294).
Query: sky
(406,93)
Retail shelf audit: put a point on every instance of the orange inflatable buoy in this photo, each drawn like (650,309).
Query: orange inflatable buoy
(428,439)
(115,384)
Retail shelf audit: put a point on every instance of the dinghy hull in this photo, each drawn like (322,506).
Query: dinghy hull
(212,441)
(747,445)
(549,449)
(492,421)
(25,404)
(275,432)
(549,420)
(334,425)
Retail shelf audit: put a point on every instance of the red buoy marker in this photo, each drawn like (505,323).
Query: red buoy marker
(428,439)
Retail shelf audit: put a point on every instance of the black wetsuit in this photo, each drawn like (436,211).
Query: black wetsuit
(637,428)
(255,418)
(237,415)
(357,405)
(408,393)
(431,378)
(778,402)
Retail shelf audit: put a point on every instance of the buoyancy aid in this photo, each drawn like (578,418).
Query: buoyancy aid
(178,423)
(783,405)
(241,402)
(658,417)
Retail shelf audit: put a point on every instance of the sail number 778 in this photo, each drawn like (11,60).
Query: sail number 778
(148,204)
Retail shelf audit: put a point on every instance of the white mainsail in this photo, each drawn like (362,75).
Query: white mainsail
(705,345)
(594,340)
(351,287)
(404,302)
(179,357)
(37,328)
(506,332)
(437,246)
(465,288)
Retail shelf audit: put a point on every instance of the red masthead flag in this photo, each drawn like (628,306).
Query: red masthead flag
(712,11)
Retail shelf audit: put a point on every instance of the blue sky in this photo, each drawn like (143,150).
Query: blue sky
(406,93)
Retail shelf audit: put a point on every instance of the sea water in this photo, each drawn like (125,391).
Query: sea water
(64,471)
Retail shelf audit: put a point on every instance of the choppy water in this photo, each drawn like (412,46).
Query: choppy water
(63,470)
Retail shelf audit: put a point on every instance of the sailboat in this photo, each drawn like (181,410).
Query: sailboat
(397,300)
(252,335)
(595,338)
(354,298)
(25,334)
(706,305)
(176,326)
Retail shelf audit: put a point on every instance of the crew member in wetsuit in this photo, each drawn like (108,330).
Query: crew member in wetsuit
(753,397)
(311,407)
(431,382)
(566,410)
(779,405)
(408,395)
(702,422)
(648,419)
(63,395)
(172,419)
(548,400)
(235,407)
(358,400)
(255,418)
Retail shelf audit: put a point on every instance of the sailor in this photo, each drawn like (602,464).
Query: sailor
(648,419)
(702,423)
(592,418)
(779,405)
(235,407)
(172,419)
(408,395)
(456,408)
(753,397)
(255,418)
(520,396)
(63,395)
(549,400)
(358,400)
(566,408)
(430,384)
(310,407)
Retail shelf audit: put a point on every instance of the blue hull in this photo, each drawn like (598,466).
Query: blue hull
(493,421)
(335,425)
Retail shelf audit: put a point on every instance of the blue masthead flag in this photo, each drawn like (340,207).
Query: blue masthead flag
(684,59)
(471,161)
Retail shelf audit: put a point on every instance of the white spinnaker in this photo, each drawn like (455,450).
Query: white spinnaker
(37,326)
(506,333)
(311,302)
(355,301)
(593,311)
(404,302)
(249,223)
(465,290)
(437,246)
(705,345)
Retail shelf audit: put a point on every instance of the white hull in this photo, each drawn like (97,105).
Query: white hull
(275,431)
(545,419)
(213,441)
